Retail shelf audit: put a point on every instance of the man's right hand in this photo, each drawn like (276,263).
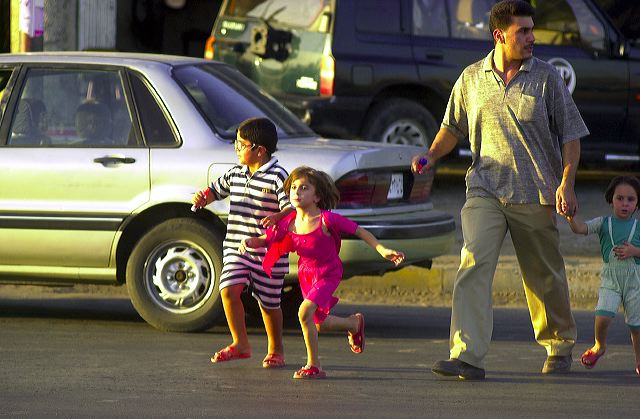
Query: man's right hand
(420,167)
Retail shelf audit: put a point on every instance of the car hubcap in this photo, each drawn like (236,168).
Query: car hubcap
(404,132)
(179,276)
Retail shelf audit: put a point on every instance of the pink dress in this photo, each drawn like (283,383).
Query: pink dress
(319,266)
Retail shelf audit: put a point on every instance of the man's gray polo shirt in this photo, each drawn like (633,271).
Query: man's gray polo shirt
(515,131)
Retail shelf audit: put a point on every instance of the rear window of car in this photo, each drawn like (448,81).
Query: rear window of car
(226,98)
(301,13)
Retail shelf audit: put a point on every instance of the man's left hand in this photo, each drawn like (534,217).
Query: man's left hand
(566,201)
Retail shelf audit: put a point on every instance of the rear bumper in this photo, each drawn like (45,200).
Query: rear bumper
(336,116)
(425,226)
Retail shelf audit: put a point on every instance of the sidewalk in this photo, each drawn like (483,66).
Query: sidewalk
(433,287)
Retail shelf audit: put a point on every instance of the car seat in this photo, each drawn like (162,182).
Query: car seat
(29,123)
(93,124)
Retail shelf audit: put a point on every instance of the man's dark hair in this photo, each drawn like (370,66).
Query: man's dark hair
(503,11)
(260,131)
(622,180)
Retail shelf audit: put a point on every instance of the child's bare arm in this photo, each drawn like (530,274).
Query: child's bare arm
(577,225)
(392,255)
(252,243)
(273,219)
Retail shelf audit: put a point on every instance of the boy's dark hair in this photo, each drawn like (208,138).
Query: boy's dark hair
(326,189)
(260,131)
(622,180)
(503,11)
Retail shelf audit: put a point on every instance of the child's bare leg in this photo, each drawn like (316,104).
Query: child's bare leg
(273,326)
(601,330)
(234,311)
(635,340)
(333,323)
(309,331)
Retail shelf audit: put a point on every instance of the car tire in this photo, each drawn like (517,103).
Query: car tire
(173,275)
(400,121)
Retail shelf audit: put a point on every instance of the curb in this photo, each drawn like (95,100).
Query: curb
(433,287)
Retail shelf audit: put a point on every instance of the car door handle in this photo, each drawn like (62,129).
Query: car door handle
(110,160)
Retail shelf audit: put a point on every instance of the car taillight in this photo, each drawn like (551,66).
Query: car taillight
(363,189)
(421,189)
(209,48)
(327,75)
(374,189)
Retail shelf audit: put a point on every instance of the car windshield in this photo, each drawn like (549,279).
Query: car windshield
(226,98)
(291,13)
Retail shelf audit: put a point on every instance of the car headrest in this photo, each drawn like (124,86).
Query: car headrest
(93,121)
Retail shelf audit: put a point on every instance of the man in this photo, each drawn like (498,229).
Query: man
(524,130)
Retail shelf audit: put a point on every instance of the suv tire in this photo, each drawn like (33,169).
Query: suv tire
(400,121)
(173,274)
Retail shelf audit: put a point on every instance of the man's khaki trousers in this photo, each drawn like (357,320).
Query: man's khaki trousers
(485,222)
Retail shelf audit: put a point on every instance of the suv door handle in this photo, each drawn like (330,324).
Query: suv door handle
(110,160)
(434,55)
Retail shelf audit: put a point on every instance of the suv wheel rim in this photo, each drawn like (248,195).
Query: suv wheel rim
(404,132)
(179,277)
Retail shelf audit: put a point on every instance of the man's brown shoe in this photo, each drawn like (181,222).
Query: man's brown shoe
(455,368)
(557,364)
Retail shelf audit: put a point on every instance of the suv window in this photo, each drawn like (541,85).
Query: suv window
(225,100)
(430,18)
(625,16)
(71,108)
(378,16)
(469,19)
(557,22)
(568,22)
(300,13)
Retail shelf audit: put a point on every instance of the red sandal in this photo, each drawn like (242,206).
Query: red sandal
(590,358)
(356,341)
(229,353)
(273,361)
(309,373)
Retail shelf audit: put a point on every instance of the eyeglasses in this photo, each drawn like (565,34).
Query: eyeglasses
(240,146)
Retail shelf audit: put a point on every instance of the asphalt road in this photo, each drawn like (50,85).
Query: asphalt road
(94,357)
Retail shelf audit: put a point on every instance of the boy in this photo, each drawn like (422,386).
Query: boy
(258,200)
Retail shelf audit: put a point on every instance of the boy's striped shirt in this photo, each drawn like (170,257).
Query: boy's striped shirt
(252,197)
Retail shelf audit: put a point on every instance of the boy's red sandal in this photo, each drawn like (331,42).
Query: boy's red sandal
(590,358)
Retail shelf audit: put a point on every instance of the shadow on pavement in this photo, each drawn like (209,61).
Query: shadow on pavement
(510,324)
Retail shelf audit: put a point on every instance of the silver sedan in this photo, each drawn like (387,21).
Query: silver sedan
(100,154)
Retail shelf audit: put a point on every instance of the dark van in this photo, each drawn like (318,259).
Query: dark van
(382,70)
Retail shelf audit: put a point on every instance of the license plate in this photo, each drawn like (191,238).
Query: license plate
(396,188)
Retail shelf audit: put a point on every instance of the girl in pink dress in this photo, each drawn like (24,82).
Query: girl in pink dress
(314,233)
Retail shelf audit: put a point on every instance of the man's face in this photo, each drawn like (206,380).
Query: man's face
(517,40)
